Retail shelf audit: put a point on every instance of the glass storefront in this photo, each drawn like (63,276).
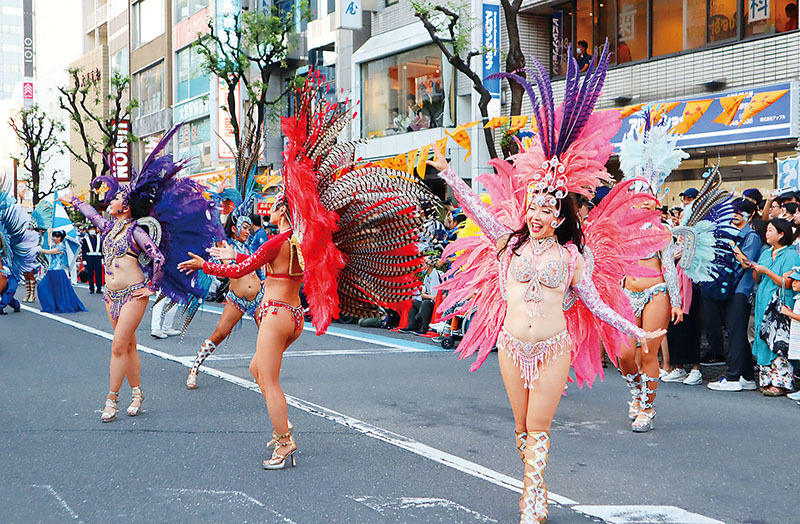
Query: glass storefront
(642,29)
(405,92)
(194,142)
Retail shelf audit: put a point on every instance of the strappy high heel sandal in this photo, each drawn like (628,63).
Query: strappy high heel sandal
(534,495)
(635,384)
(522,440)
(278,461)
(272,443)
(191,380)
(109,416)
(136,396)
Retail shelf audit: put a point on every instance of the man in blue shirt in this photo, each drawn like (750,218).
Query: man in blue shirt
(257,234)
(734,308)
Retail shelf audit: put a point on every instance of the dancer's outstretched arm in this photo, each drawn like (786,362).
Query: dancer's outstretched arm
(245,265)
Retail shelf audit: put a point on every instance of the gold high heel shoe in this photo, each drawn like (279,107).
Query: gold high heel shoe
(136,396)
(109,416)
(191,380)
(534,495)
(271,444)
(278,461)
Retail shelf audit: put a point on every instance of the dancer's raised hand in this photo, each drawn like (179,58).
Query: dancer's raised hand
(191,265)
(651,335)
(222,252)
(439,161)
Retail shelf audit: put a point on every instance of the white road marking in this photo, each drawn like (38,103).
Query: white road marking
(385,505)
(423,450)
(60,499)
(645,515)
(231,497)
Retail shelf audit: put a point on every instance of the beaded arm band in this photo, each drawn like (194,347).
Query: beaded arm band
(146,243)
(474,206)
(587,292)
(671,275)
(245,265)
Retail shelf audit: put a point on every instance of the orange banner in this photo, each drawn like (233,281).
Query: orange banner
(496,122)
(461,136)
(663,109)
(517,123)
(760,102)
(629,110)
(422,160)
(730,106)
(691,114)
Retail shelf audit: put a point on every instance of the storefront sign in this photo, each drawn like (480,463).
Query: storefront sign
(491,58)
(121,155)
(191,109)
(187,30)
(27,90)
(758,10)
(789,172)
(778,120)
(226,137)
(556,34)
(352,17)
(27,37)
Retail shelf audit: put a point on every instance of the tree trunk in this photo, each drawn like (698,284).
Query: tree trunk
(515,62)
(35,183)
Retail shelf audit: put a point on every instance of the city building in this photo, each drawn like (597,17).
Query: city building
(11,46)
(668,51)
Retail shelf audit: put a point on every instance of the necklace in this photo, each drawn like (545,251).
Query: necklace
(540,245)
(112,248)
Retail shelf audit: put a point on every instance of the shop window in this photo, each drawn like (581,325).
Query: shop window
(678,25)
(194,143)
(763,17)
(149,90)
(147,20)
(119,62)
(722,15)
(193,80)
(149,143)
(186,8)
(404,93)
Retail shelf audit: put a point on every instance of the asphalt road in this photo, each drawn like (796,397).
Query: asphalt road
(389,430)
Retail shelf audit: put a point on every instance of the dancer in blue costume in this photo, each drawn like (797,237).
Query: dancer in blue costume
(55,290)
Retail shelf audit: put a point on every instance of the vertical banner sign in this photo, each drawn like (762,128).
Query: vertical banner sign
(121,155)
(556,32)
(491,58)
(758,10)
(27,37)
(352,17)
(789,172)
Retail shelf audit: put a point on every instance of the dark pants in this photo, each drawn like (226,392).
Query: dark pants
(419,317)
(735,314)
(715,316)
(684,338)
(94,270)
(7,294)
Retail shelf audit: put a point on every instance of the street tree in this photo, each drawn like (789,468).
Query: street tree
(251,49)
(39,135)
(451,30)
(97,128)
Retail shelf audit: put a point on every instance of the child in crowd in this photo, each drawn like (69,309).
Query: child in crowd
(794,332)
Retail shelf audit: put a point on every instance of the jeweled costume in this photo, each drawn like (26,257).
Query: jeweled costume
(18,248)
(181,220)
(568,156)
(353,236)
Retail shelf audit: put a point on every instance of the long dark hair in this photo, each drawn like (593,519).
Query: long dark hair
(568,231)
(229,223)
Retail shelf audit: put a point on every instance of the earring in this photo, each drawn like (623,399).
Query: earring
(554,223)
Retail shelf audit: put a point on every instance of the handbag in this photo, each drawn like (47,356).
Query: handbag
(775,325)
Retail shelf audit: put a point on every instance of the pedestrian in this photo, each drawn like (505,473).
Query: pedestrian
(258,235)
(135,265)
(731,304)
(422,308)
(55,290)
(162,318)
(91,251)
(772,274)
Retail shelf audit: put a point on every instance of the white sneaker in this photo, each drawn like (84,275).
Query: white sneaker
(724,385)
(676,375)
(172,332)
(437,326)
(794,396)
(695,378)
(750,385)
(662,373)
(157,333)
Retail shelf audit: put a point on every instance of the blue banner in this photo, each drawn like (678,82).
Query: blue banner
(491,42)
(777,121)
(789,172)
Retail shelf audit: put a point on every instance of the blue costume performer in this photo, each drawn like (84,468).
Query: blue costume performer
(55,290)
(18,248)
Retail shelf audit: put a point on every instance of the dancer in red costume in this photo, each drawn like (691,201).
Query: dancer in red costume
(555,292)
(360,224)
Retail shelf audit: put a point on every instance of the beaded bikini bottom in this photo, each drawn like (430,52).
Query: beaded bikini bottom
(529,356)
(295,311)
(116,298)
(247,307)
(639,299)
